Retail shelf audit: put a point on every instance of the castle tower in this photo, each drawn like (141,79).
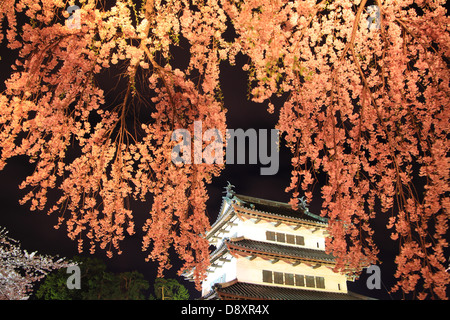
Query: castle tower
(266,250)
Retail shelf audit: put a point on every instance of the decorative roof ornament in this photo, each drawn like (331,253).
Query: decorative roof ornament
(303,204)
(229,190)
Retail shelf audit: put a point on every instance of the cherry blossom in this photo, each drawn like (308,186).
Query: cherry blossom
(364,107)
(20,270)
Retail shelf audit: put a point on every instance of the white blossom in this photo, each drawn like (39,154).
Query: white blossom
(20,270)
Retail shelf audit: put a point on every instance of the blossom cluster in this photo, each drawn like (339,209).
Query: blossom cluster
(20,270)
(367,111)
(365,108)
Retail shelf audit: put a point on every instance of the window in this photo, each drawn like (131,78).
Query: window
(320,282)
(290,238)
(278,277)
(289,279)
(299,280)
(285,238)
(270,235)
(300,240)
(281,237)
(267,276)
(310,281)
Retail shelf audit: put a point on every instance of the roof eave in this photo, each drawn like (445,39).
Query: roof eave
(235,248)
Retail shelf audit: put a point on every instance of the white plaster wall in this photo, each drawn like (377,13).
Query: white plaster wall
(257,231)
(251,270)
(227,268)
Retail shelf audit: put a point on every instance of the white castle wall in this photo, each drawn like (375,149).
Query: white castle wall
(247,270)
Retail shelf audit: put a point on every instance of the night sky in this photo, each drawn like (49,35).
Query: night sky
(35,229)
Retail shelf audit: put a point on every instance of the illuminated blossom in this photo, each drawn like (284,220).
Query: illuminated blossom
(20,270)
(367,109)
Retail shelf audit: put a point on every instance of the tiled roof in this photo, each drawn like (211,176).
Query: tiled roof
(243,290)
(278,249)
(278,208)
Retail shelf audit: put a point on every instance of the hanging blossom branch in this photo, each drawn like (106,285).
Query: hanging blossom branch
(54,102)
(366,109)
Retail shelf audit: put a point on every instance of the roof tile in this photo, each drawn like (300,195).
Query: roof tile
(243,290)
(279,249)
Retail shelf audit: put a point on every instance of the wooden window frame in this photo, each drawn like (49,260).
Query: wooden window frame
(281,237)
(299,280)
(289,279)
(271,236)
(300,240)
(320,282)
(310,281)
(278,277)
(267,276)
(290,238)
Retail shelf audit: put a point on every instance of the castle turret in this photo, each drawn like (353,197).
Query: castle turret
(266,250)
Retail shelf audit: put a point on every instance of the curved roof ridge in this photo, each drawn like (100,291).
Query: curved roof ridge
(276,208)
